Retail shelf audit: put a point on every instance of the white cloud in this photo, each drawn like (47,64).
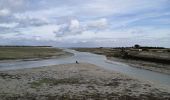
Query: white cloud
(107,34)
(4,12)
(45,15)
(8,25)
(11,6)
(96,8)
(99,24)
(74,25)
(45,32)
(31,15)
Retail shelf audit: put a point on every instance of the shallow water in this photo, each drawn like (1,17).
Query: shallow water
(99,60)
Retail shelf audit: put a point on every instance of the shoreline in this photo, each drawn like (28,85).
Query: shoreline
(75,81)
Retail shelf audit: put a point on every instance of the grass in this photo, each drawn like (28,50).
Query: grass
(50,81)
(9,76)
(7,53)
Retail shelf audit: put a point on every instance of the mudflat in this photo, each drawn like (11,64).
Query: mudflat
(81,81)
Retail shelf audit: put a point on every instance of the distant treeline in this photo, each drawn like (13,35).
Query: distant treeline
(151,48)
(144,47)
(21,46)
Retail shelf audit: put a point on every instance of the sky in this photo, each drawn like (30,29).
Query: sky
(85,23)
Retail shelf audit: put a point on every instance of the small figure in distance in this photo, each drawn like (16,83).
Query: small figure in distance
(77,62)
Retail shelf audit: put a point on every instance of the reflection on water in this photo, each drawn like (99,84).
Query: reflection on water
(99,60)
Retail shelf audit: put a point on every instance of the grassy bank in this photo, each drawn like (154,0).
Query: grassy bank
(151,59)
(11,53)
(153,55)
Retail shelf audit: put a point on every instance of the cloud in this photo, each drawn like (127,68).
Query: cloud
(98,24)
(8,25)
(44,14)
(12,5)
(44,32)
(75,22)
(74,25)
(4,12)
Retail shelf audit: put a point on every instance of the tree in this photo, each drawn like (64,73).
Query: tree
(137,46)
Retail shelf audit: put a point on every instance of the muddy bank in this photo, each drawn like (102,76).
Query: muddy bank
(161,68)
(75,82)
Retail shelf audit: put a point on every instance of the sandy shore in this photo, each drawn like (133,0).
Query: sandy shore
(75,82)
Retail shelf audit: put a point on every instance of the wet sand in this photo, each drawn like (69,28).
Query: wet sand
(75,82)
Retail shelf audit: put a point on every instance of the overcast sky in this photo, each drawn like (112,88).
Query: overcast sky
(85,22)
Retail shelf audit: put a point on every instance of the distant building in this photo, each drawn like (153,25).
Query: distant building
(140,49)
